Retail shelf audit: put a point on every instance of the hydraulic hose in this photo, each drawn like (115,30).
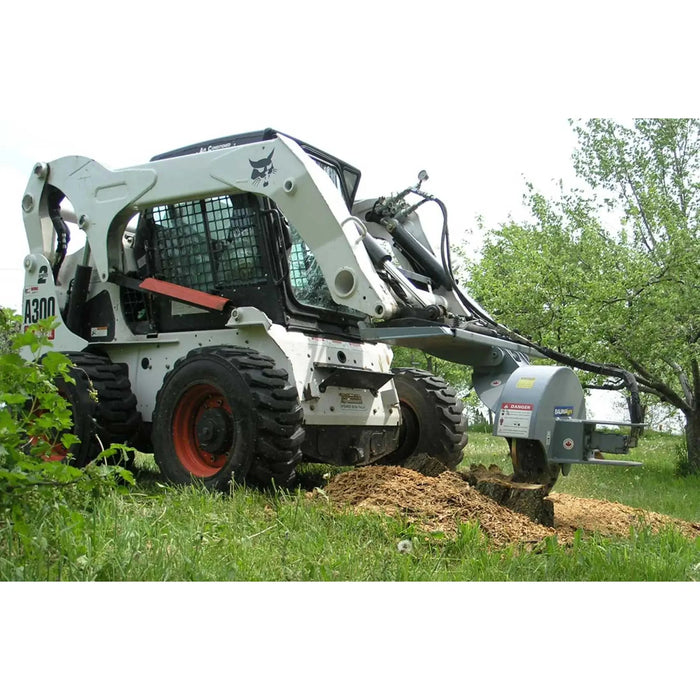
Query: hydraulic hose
(628,378)
(55,197)
(414,250)
(444,275)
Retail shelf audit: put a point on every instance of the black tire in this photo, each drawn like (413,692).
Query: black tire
(83,407)
(227,413)
(432,417)
(102,406)
(530,464)
(116,417)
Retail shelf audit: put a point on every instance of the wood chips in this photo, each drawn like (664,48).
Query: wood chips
(442,502)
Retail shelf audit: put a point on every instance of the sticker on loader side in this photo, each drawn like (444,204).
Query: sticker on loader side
(351,401)
(37,308)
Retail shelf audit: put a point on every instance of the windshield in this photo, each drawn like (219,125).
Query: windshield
(305,276)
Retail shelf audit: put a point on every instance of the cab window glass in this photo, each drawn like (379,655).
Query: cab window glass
(306,279)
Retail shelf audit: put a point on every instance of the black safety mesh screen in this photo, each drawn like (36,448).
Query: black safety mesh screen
(208,244)
(134,305)
(299,258)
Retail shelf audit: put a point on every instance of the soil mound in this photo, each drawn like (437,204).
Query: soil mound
(442,502)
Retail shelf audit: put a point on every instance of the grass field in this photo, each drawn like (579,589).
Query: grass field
(153,532)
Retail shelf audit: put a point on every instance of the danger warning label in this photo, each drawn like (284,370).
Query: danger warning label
(514,419)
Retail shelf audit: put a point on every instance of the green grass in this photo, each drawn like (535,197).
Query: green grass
(154,532)
(188,534)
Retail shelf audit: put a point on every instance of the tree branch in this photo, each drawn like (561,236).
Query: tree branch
(648,390)
(679,167)
(683,379)
(650,283)
(628,180)
(650,385)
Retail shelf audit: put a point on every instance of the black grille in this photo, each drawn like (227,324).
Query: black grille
(134,305)
(209,244)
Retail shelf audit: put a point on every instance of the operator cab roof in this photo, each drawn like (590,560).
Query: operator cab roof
(349,175)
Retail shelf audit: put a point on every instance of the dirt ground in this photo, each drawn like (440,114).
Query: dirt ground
(441,502)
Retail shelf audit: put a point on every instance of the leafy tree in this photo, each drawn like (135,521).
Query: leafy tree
(608,272)
(459,376)
(9,328)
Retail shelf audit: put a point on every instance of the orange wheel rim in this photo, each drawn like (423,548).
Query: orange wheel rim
(203,431)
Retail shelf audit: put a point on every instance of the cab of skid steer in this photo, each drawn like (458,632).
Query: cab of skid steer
(238,246)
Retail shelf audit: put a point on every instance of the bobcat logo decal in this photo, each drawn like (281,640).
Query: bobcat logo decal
(262,169)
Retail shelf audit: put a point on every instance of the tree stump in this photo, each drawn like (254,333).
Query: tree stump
(528,499)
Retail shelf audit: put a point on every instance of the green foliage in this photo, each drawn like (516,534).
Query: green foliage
(682,462)
(36,418)
(36,422)
(9,327)
(609,273)
(458,376)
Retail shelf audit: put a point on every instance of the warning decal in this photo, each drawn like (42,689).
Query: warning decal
(514,420)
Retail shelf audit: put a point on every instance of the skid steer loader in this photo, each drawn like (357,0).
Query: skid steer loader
(234,307)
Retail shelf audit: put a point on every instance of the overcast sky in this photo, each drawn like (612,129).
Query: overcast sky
(478,98)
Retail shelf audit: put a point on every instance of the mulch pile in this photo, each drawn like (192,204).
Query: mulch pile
(572,513)
(442,502)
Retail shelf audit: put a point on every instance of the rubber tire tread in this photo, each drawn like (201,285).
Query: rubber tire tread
(83,409)
(117,419)
(438,415)
(278,415)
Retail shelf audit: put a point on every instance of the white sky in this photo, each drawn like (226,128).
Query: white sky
(479,98)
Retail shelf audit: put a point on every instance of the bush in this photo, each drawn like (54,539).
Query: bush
(481,427)
(36,421)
